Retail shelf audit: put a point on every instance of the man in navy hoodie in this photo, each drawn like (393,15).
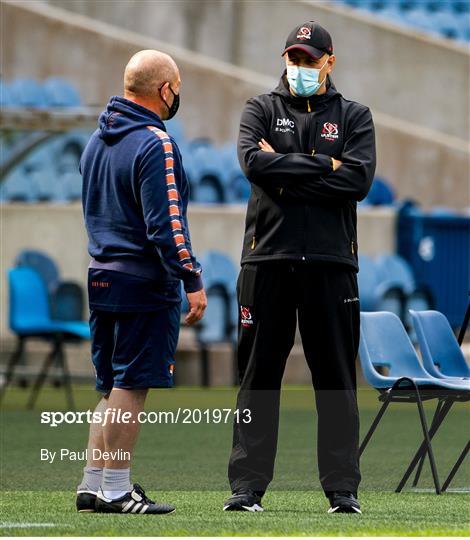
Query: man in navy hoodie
(135,196)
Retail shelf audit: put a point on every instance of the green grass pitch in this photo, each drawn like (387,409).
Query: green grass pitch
(186,464)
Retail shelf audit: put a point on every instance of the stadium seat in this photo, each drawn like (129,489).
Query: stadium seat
(381,193)
(175,128)
(440,350)
(376,293)
(61,93)
(442,358)
(42,264)
(30,318)
(7,99)
(59,291)
(395,271)
(384,344)
(28,93)
(217,326)
(17,187)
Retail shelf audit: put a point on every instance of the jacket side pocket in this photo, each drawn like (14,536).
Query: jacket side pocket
(246,285)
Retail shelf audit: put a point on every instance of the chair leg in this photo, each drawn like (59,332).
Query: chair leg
(12,363)
(66,377)
(419,468)
(421,452)
(41,378)
(455,468)
(375,424)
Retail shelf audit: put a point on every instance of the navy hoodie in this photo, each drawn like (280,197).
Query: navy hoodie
(135,196)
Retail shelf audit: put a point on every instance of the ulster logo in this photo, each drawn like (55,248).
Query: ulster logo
(304,33)
(329,131)
(245,317)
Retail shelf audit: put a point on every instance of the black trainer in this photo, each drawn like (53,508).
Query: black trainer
(86,500)
(134,502)
(343,502)
(243,501)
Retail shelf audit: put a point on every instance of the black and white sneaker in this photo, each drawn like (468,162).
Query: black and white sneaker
(243,501)
(86,500)
(343,502)
(134,502)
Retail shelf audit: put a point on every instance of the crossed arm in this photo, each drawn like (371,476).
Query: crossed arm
(306,177)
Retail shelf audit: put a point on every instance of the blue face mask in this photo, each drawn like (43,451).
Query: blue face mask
(304,81)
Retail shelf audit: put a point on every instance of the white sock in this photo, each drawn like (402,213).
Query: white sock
(116,483)
(91,481)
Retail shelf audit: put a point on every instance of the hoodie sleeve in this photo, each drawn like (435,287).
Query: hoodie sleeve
(270,169)
(165,213)
(352,180)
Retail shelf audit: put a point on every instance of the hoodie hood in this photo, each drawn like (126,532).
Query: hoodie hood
(316,101)
(123,116)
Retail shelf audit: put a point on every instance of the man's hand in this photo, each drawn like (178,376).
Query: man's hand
(336,163)
(197,304)
(265,146)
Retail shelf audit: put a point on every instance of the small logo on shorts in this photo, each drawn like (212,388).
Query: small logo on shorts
(246,318)
(101,284)
(349,300)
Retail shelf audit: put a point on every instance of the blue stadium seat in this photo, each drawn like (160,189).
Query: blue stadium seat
(440,351)
(70,187)
(61,93)
(7,98)
(29,317)
(220,277)
(376,293)
(41,263)
(28,93)
(384,344)
(396,271)
(381,193)
(449,24)
(17,187)
(206,173)
(175,128)
(65,297)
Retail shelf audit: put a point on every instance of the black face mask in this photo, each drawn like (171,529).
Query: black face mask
(174,106)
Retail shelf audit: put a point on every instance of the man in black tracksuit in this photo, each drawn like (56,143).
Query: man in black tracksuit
(309,154)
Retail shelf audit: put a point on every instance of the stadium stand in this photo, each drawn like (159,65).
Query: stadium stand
(444,18)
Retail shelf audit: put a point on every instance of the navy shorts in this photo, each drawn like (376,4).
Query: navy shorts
(134,349)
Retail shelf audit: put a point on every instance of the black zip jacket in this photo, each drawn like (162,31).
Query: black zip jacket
(299,208)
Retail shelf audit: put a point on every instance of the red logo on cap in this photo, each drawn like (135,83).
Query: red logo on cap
(304,33)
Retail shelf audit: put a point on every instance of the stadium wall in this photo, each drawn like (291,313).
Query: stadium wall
(420,162)
(403,72)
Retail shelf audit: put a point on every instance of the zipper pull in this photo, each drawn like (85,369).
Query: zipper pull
(352,247)
(308,106)
(253,243)
(313,151)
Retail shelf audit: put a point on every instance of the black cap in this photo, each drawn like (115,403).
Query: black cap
(311,38)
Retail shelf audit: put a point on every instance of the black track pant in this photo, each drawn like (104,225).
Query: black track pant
(324,296)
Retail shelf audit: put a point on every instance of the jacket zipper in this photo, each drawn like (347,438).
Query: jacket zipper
(309,109)
(304,247)
(253,240)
